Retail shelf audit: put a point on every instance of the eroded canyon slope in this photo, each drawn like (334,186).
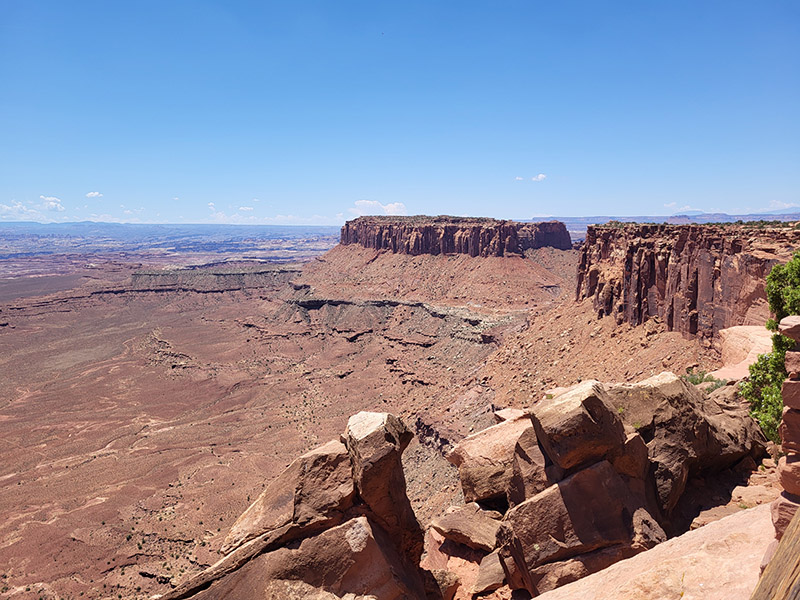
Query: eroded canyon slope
(143,410)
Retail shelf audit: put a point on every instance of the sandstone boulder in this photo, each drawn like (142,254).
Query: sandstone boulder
(337,521)
(633,459)
(584,512)
(469,525)
(790,391)
(686,432)
(376,442)
(508,414)
(531,471)
(461,561)
(792,364)
(491,575)
(578,427)
(783,509)
(789,473)
(553,575)
(484,459)
(311,493)
(356,557)
(790,327)
(446,582)
(719,561)
(790,430)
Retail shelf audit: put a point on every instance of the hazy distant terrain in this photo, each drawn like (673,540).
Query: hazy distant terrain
(250,241)
(274,242)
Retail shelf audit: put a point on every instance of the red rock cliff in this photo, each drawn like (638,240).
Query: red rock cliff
(453,235)
(697,279)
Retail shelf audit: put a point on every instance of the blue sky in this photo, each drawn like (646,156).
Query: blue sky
(314,112)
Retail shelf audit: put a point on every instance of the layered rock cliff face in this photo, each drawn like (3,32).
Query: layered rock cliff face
(697,279)
(453,235)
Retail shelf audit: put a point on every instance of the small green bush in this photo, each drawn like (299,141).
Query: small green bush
(698,377)
(763,388)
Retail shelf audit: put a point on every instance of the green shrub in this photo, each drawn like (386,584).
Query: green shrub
(763,388)
(698,377)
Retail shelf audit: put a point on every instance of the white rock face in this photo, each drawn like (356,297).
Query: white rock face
(364,423)
(740,347)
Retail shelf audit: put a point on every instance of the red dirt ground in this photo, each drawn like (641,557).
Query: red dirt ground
(136,426)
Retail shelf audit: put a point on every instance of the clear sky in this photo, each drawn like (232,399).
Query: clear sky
(313,112)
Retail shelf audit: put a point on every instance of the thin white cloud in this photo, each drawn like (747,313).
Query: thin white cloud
(518,178)
(211,205)
(245,208)
(777,204)
(246,218)
(94,195)
(539,177)
(17,210)
(670,205)
(373,207)
(52,203)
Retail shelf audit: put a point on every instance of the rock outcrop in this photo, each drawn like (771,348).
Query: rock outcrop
(578,450)
(697,279)
(470,525)
(579,426)
(375,442)
(686,432)
(336,521)
(719,561)
(594,480)
(313,492)
(740,347)
(453,235)
(485,459)
(585,488)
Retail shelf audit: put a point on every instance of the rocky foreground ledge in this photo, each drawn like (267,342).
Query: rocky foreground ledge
(589,477)
(454,235)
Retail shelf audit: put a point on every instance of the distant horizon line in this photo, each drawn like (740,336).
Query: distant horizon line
(689,215)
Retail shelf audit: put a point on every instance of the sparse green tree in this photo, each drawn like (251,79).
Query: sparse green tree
(763,388)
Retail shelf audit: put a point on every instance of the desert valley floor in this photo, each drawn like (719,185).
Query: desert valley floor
(143,406)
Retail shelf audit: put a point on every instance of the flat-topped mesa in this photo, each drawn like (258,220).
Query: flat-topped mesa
(697,279)
(453,235)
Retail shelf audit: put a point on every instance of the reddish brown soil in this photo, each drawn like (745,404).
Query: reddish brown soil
(482,284)
(136,426)
(564,346)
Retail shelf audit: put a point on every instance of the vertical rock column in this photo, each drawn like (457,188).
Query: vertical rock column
(785,506)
